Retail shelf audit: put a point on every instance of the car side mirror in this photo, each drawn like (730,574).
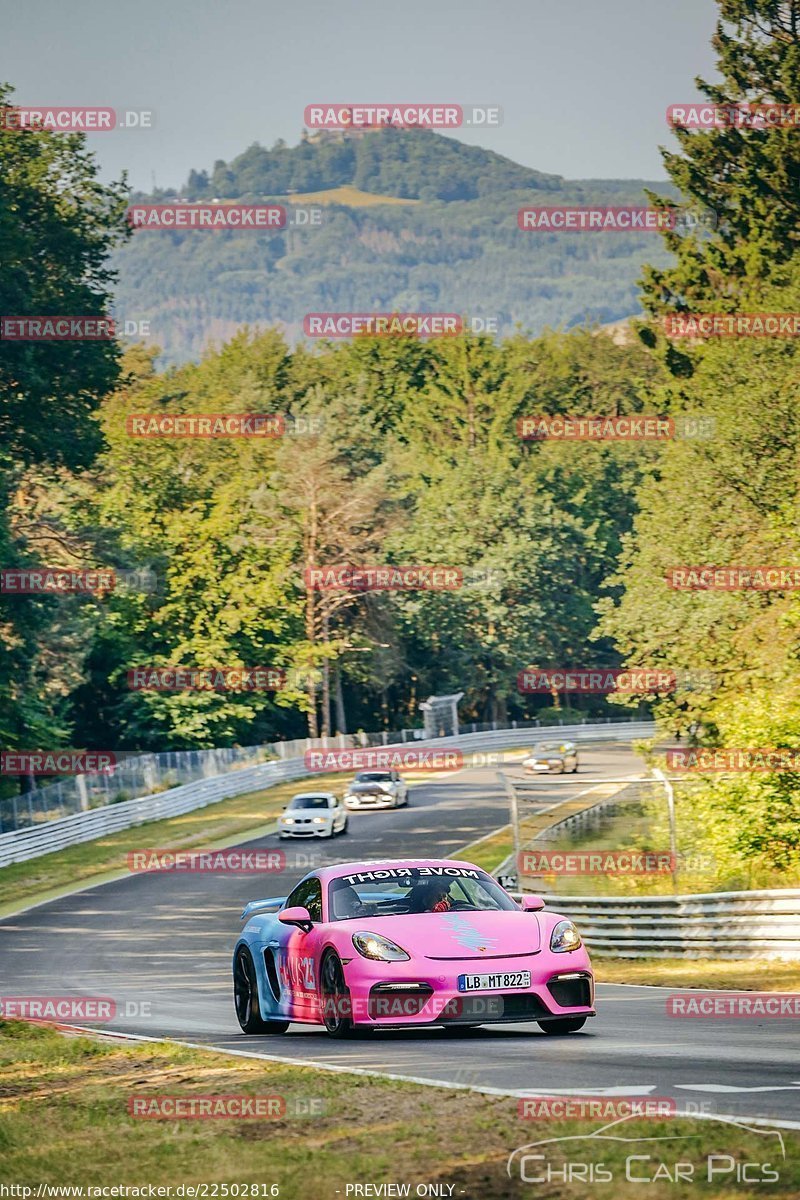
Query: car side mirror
(296,915)
(531,903)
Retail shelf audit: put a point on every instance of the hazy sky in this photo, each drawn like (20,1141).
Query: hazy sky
(583,84)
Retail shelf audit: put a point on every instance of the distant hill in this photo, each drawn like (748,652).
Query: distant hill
(411,221)
(410,164)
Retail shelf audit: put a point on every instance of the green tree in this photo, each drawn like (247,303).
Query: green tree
(748,177)
(58,224)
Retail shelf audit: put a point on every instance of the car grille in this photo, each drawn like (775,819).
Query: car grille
(571,993)
(504,1006)
(387,1000)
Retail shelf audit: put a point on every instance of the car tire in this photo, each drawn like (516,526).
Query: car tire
(245,997)
(344,828)
(563,1025)
(335,998)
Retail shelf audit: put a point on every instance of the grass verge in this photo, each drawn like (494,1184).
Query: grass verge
(64,1119)
(488,852)
(760,975)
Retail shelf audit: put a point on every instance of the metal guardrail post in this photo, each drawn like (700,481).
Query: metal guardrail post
(511,793)
(673,831)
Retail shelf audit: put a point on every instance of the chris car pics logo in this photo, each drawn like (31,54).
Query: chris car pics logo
(649,1158)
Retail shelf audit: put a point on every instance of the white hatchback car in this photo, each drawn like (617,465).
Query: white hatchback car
(313,814)
(376,789)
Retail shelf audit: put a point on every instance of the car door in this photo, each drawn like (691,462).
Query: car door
(297,956)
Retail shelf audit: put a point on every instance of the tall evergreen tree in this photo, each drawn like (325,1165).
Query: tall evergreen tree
(749,177)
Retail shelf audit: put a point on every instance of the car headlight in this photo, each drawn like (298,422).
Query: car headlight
(372,945)
(318,820)
(564,937)
(288,820)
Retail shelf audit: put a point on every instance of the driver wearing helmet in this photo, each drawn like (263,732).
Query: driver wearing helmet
(431,895)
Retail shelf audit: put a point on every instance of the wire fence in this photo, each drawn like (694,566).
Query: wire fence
(628,834)
(136,775)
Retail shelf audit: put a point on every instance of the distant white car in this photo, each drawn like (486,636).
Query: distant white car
(376,789)
(313,814)
(558,757)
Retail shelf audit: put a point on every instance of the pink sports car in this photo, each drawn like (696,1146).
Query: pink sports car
(408,943)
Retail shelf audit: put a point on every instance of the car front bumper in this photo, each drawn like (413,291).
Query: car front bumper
(366,802)
(305,831)
(426,992)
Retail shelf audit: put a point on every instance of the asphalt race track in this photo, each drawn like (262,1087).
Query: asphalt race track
(159,944)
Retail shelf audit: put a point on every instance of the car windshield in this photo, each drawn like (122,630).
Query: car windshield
(398,891)
(548,748)
(373,777)
(309,802)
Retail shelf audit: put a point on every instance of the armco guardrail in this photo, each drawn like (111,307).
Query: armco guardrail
(760,924)
(147,773)
(22,844)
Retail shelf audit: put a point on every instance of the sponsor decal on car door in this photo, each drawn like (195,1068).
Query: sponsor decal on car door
(297,973)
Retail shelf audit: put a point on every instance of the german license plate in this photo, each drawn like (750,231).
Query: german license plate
(493,983)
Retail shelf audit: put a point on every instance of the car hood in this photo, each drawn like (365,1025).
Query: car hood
(365,789)
(460,935)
